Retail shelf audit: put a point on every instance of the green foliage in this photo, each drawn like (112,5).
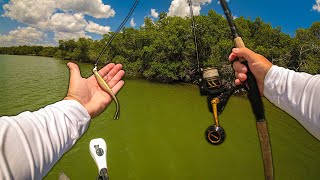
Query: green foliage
(29,50)
(164,50)
(48,51)
(306,50)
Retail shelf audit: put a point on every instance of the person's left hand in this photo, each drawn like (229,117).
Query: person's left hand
(88,92)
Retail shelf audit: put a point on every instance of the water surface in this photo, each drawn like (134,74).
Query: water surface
(160,134)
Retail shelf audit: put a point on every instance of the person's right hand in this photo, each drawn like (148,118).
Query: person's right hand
(87,90)
(258,65)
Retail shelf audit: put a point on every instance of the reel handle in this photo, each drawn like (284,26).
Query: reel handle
(215,134)
(215,103)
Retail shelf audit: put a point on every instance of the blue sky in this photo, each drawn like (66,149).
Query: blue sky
(43,22)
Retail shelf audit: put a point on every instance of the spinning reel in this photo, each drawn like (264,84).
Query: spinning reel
(217,97)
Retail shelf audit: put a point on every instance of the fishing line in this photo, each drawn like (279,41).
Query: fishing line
(116,32)
(102,83)
(194,34)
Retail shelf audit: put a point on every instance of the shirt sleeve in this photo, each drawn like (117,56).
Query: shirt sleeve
(296,93)
(32,142)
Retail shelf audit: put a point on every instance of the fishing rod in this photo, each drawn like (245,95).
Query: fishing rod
(102,83)
(254,98)
(218,96)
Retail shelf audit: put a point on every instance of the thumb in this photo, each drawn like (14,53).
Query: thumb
(74,71)
(245,53)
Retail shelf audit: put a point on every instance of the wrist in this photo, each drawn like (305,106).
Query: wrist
(72,98)
(69,97)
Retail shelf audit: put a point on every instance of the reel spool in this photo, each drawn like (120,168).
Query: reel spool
(210,83)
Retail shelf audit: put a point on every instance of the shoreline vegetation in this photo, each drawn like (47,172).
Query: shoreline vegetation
(164,50)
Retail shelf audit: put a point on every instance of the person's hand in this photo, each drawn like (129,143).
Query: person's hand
(88,92)
(258,65)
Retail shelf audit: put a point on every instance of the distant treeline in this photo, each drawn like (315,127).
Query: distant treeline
(164,50)
(30,50)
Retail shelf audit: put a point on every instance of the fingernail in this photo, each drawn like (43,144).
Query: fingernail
(235,49)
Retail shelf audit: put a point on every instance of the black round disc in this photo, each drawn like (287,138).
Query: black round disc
(215,134)
(99,152)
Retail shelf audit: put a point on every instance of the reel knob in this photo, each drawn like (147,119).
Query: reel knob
(215,134)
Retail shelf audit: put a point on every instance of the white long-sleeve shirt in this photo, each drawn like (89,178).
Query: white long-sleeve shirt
(32,142)
(296,93)
(45,135)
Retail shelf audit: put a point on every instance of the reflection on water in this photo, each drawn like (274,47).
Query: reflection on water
(160,134)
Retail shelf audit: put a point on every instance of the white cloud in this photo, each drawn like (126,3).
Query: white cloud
(316,7)
(36,11)
(181,7)
(70,35)
(61,22)
(154,13)
(226,1)
(63,17)
(132,23)
(23,36)
(96,28)
(29,11)
(94,8)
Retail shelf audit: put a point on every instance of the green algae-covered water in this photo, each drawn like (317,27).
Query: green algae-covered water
(160,134)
